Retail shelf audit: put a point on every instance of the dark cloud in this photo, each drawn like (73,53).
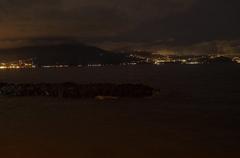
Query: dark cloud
(186,21)
(205,20)
(80,17)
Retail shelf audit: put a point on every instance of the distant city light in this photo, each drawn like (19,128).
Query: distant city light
(20,64)
(193,63)
(95,65)
(55,66)
(136,59)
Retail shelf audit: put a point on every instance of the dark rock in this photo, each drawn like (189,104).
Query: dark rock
(72,90)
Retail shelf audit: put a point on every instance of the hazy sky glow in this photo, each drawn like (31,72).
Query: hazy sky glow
(119,21)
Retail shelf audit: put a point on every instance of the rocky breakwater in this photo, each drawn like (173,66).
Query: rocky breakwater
(72,90)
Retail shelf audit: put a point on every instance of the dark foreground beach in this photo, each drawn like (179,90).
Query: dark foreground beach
(195,114)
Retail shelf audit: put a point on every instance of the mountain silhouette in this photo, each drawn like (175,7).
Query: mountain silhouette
(67,54)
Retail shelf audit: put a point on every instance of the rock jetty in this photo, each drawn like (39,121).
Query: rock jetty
(73,90)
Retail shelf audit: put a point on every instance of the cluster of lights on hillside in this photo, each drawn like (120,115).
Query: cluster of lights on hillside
(236,59)
(158,59)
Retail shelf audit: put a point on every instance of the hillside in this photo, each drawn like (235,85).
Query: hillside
(70,54)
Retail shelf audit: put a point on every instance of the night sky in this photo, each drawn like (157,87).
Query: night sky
(115,21)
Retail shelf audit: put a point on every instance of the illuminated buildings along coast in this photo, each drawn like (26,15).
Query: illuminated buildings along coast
(155,60)
(19,64)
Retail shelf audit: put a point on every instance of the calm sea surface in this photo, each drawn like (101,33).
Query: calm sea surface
(196,114)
